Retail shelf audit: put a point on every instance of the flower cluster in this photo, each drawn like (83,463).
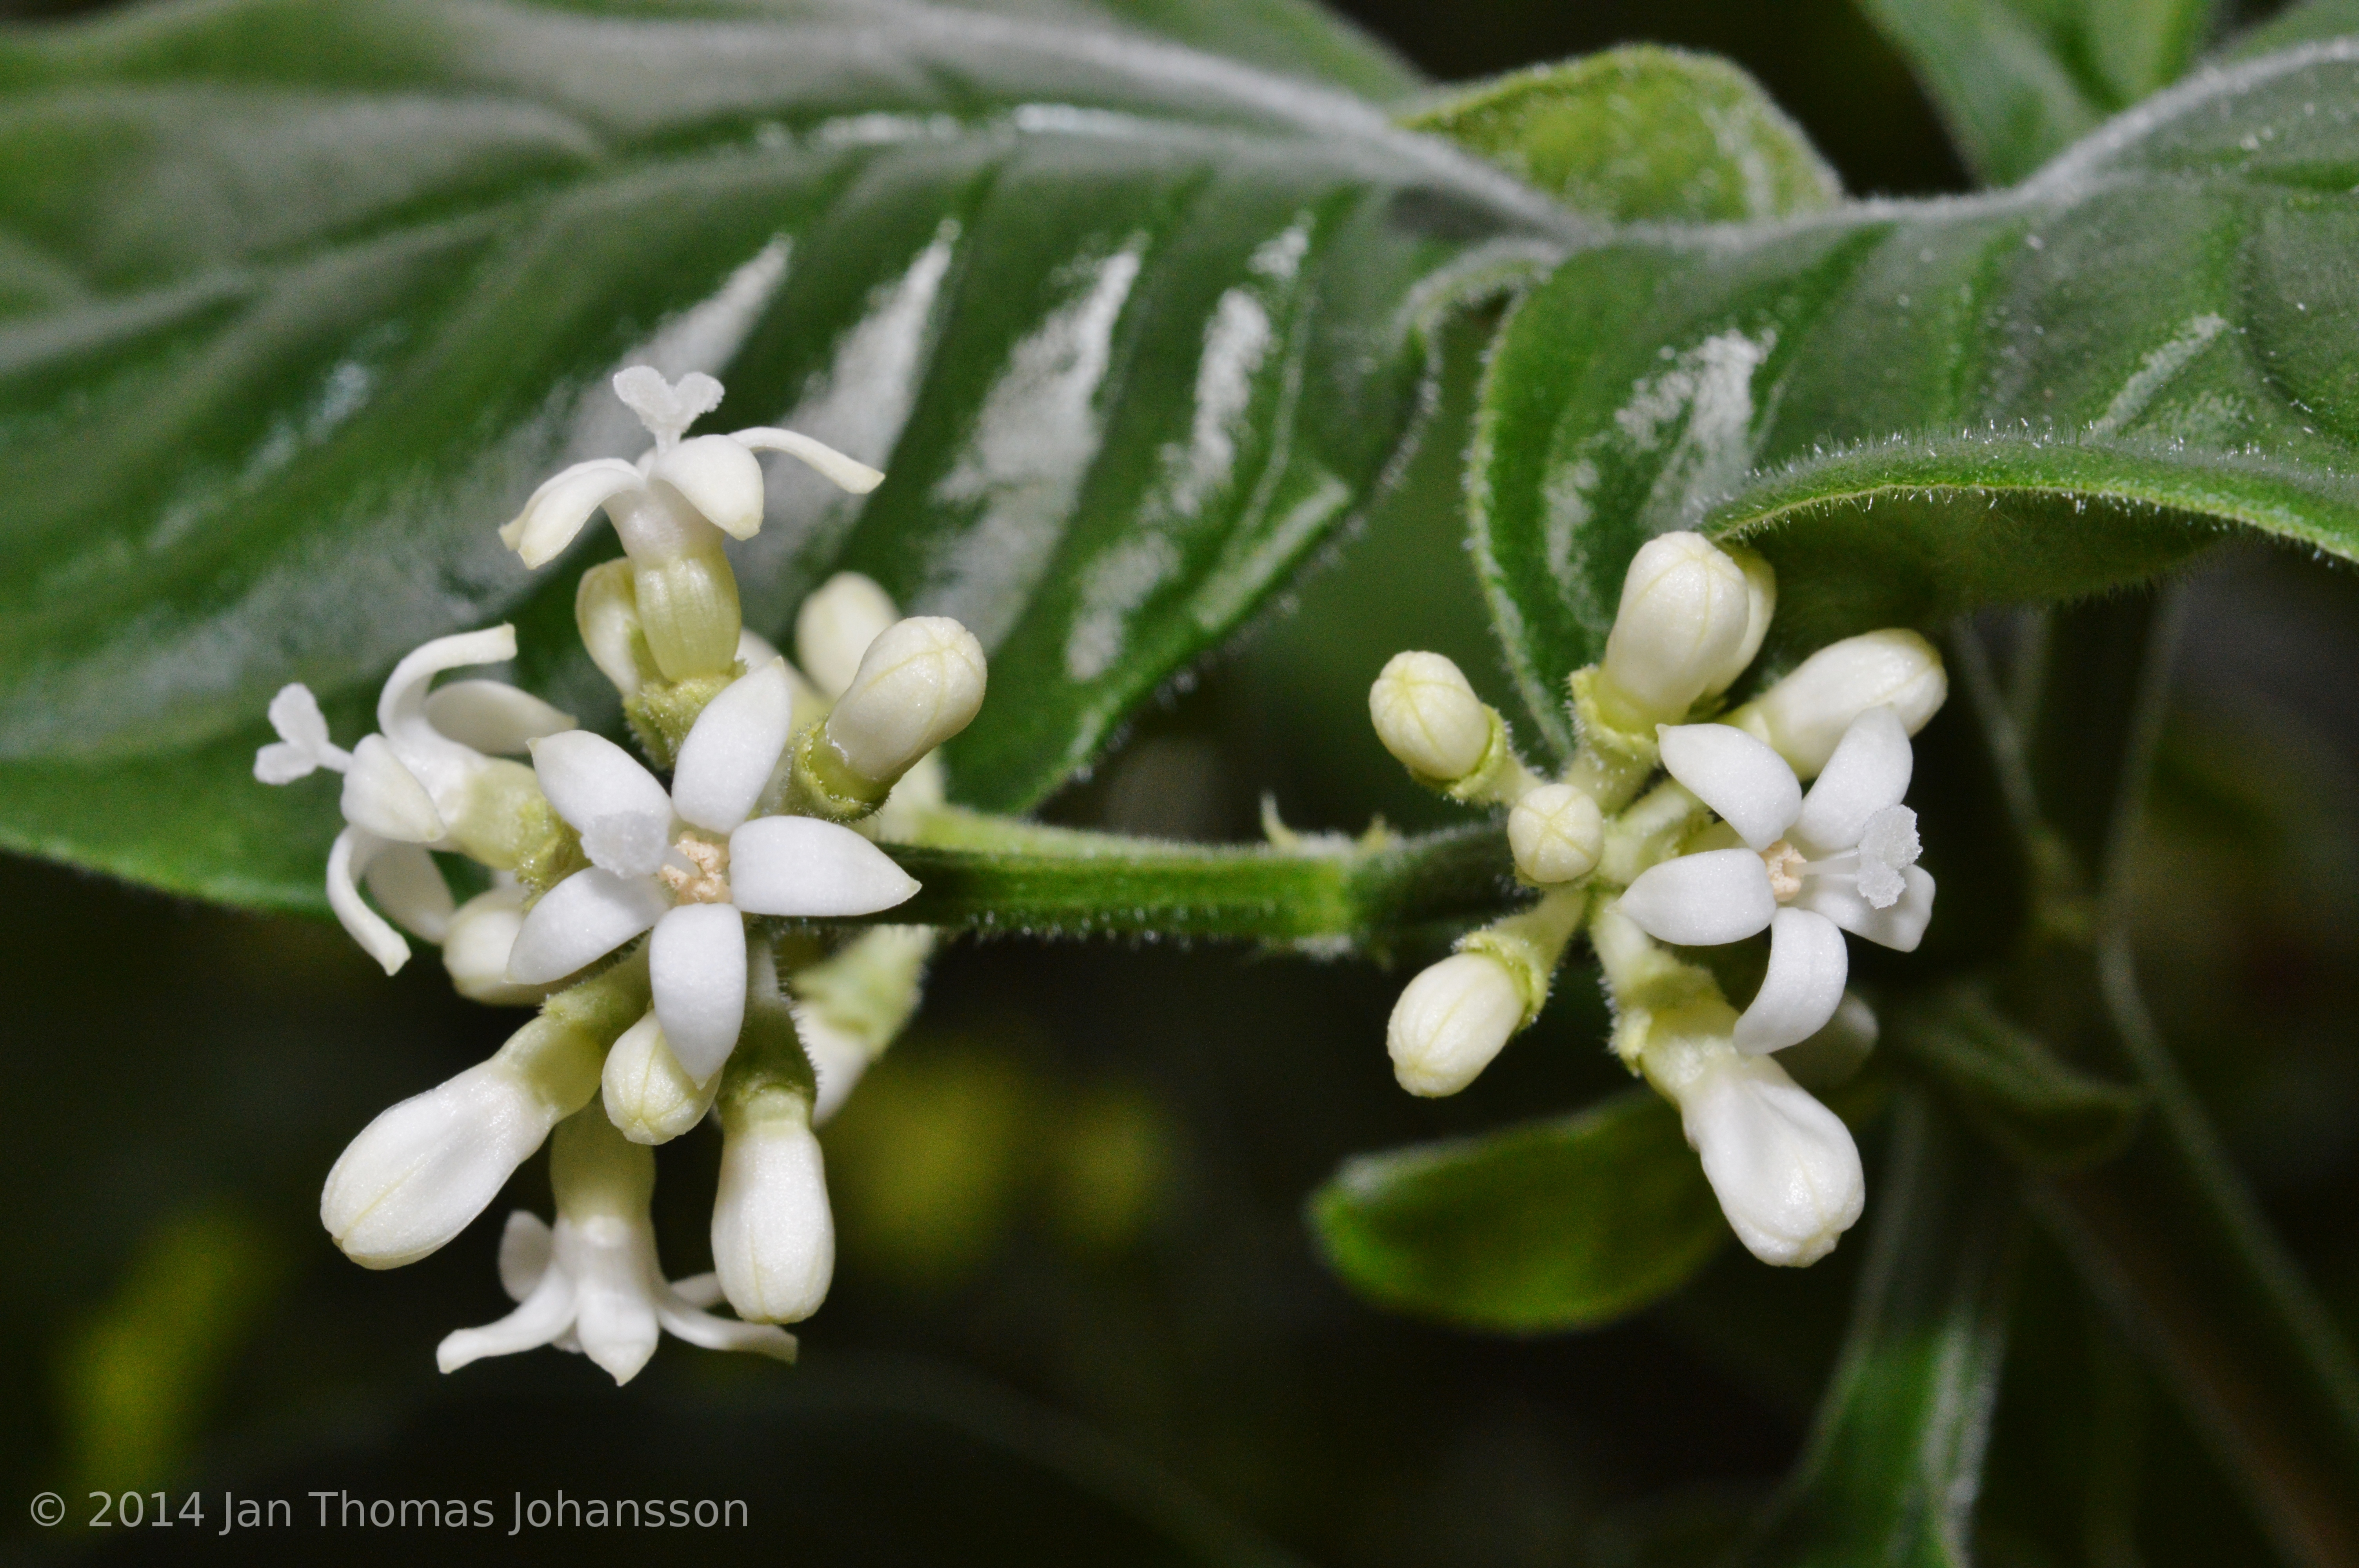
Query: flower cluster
(628,907)
(1729,846)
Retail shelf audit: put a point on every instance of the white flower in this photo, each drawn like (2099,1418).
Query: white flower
(1427,716)
(685,863)
(1842,857)
(593,1284)
(422,782)
(671,509)
(1690,619)
(1784,1167)
(1450,1021)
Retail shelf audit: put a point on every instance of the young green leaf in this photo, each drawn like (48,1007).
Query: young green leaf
(2016,80)
(1641,133)
(1567,1223)
(1913,408)
(2015,1091)
(312,296)
(1896,1460)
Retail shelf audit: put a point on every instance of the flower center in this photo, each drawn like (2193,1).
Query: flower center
(1786,866)
(697,869)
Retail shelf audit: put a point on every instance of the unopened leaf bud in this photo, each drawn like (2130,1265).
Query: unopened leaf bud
(1685,629)
(835,627)
(1556,833)
(919,683)
(1450,1021)
(1429,717)
(1806,714)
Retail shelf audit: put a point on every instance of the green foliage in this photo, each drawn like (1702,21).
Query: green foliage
(306,299)
(1552,1225)
(1916,408)
(1644,133)
(2013,1089)
(2016,80)
(1894,1463)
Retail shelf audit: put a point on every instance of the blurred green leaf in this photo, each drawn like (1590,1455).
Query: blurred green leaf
(2013,1088)
(1916,408)
(1641,133)
(305,299)
(2016,80)
(2309,22)
(1896,1460)
(1567,1223)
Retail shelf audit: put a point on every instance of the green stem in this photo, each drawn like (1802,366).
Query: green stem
(1324,893)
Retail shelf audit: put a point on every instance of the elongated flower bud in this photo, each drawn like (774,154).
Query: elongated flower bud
(1784,1166)
(1429,717)
(606,613)
(648,1094)
(1556,833)
(1450,1021)
(1685,629)
(773,1233)
(835,627)
(1805,715)
(919,683)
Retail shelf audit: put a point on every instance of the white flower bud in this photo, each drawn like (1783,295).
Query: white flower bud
(1450,1021)
(424,1168)
(1556,833)
(773,1235)
(648,1094)
(1682,631)
(919,683)
(1760,609)
(835,627)
(1784,1166)
(1428,717)
(1804,715)
(475,949)
(606,613)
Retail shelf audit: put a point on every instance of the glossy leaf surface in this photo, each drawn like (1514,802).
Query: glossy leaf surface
(1913,408)
(303,300)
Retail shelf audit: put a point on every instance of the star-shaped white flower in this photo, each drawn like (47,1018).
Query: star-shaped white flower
(1842,859)
(408,787)
(690,862)
(593,1283)
(680,493)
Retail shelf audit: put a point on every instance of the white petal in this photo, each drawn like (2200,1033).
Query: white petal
(734,748)
(1700,900)
(584,917)
(681,1319)
(523,1254)
(719,478)
(800,865)
(402,704)
(303,743)
(349,857)
(492,716)
(536,1321)
(1899,927)
(557,508)
(382,795)
(613,1264)
(696,962)
(623,815)
(1807,964)
(667,407)
(1784,1166)
(1740,777)
(409,886)
(1868,771)
(845,473)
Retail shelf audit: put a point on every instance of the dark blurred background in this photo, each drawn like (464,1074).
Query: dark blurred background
(1078,1317)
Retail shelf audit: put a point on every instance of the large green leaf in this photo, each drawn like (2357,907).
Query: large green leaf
(1552,1225)
(1641,133)
(2017,1092)
(302,300)
(1894,1463)
(1913,408)
(2016,79)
